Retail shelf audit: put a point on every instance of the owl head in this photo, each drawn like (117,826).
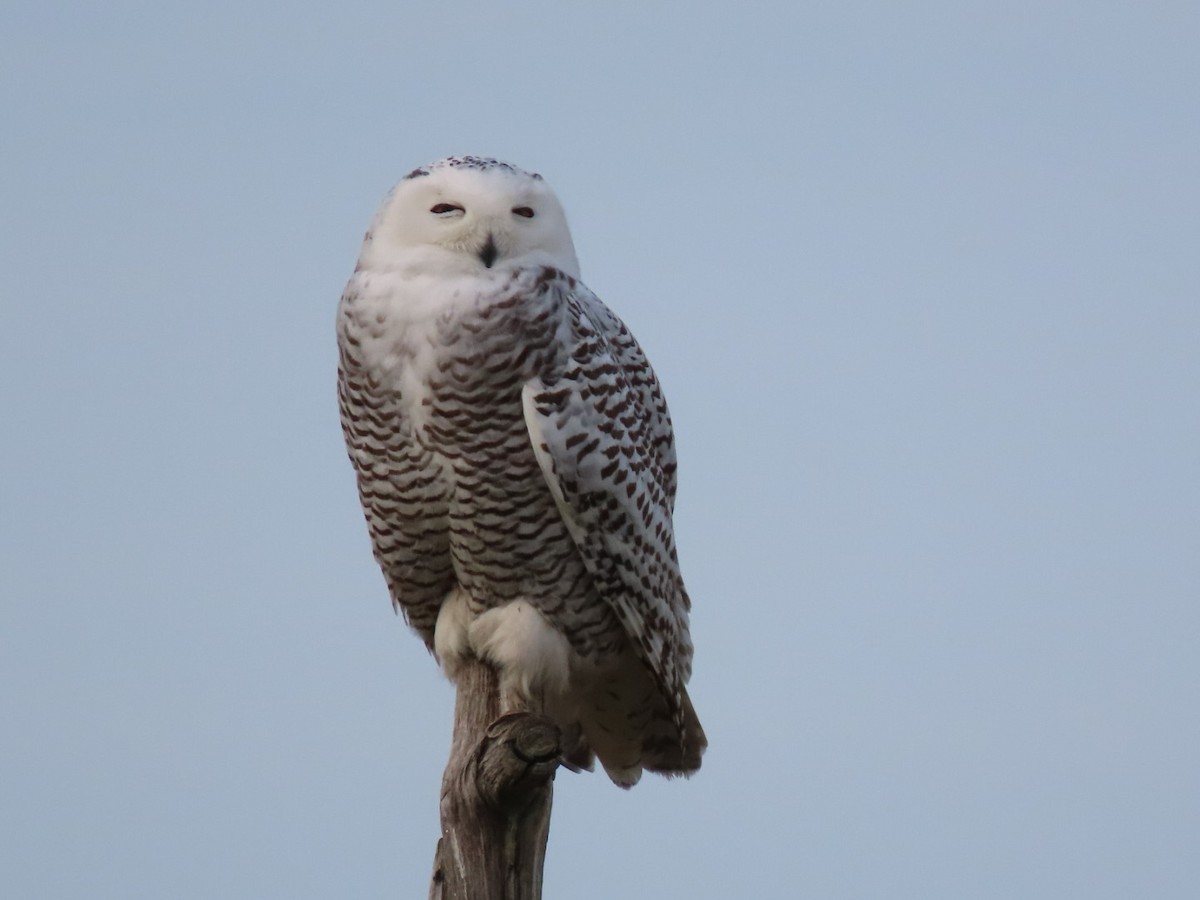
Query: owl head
(467,214)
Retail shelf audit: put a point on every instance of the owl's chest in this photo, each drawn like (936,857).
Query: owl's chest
(448,384)
(506,536)
(470,340)
(447,363)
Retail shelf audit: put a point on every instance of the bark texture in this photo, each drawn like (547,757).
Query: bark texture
(496,796)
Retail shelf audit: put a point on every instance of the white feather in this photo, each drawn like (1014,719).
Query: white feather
(530,653)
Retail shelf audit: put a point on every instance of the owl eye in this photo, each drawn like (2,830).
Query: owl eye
(442,208)
(524,212)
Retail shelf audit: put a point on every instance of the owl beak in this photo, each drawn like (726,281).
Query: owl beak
(488,253)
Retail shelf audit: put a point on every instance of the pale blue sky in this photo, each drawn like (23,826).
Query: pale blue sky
(923,284)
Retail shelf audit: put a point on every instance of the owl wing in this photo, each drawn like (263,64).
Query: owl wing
(602,436)
(650,404)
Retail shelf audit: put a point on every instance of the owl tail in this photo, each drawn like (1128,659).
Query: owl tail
(630,726)
(667,751)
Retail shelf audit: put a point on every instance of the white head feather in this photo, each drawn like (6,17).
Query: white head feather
(464,215)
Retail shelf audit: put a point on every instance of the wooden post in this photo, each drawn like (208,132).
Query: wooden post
(496,795)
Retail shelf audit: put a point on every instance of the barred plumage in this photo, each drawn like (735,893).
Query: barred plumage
(516,463)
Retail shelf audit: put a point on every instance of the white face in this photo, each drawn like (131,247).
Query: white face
(470,216)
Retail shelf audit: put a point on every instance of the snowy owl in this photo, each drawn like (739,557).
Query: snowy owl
(516,463)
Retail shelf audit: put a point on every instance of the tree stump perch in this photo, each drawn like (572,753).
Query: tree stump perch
(496,796)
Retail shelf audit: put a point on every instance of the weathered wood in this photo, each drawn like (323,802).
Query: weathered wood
(496,796)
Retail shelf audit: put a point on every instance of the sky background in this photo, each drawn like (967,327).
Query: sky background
(922,282)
